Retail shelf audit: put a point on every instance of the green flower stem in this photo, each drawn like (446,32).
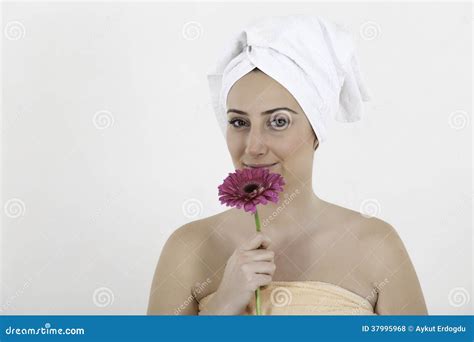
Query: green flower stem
(257,291)
(257,221)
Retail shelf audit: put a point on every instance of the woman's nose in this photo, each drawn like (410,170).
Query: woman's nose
(255,143)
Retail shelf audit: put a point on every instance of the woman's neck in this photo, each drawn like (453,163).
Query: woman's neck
(296,203)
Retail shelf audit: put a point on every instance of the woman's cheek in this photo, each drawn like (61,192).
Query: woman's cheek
(233,144)
(289,144)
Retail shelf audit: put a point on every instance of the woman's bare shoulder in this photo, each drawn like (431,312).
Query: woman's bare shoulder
(378,237)
(205,239)
(182,267)
(195,231)
(365,226)
(389,268)
(372,233)
(201,241)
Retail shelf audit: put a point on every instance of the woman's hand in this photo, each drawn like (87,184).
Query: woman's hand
(250,266)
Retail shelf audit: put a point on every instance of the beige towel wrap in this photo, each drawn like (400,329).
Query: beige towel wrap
(305,298)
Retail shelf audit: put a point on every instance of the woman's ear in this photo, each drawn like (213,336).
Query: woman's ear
(316,143)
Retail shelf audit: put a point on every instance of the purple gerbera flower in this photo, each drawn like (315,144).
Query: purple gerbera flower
(251,186)
(247,188)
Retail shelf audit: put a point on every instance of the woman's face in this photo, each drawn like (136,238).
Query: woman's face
(266,126)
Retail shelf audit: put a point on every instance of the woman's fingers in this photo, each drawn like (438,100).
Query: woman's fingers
(261,280)
(259,240)
(260,255)
(258,267)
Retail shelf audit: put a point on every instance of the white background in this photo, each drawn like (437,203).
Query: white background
(87,209)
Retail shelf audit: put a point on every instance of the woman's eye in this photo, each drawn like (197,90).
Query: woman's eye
(280,121)
(237,123)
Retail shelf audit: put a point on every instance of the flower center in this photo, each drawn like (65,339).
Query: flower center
(249,188)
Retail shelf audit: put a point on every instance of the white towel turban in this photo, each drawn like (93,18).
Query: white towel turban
(313,58)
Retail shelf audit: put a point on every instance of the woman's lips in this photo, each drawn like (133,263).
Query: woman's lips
(257,166)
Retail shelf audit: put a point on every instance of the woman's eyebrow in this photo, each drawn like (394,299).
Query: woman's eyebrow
(270,111)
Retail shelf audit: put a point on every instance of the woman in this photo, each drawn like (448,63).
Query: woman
(312,257)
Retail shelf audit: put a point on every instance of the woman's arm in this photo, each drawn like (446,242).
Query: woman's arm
(178,270)
(400,292)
